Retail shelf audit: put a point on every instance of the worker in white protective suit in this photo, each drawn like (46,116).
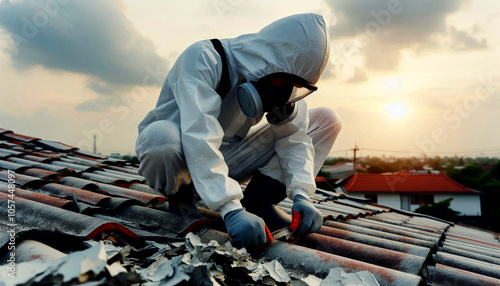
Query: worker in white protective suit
(203,135)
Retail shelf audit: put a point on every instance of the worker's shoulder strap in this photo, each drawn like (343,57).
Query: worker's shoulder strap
(224,84)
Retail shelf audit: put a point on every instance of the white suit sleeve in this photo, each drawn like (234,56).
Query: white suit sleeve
(296,153)
(199,106)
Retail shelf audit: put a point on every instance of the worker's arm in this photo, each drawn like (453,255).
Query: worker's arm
(195,77)
(296,156)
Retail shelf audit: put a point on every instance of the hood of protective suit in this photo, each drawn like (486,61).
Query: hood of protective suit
(297,44)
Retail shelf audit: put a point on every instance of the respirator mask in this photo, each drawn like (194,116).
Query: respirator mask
(274,94)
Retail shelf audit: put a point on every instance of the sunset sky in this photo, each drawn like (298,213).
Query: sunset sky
(415,76)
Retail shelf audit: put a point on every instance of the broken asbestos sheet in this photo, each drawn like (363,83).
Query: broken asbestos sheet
(155,264)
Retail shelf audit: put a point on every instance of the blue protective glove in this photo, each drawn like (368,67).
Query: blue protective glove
(303,210)
(246,229)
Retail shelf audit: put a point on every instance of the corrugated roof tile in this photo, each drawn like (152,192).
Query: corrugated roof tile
(6,165)
(108,196)
(42,166)
(35,215)
(370,254)
(382,234)
(468,264)
(58,146)
(18,137)
(42,198)
(446,275)
(376,241)
(23,181)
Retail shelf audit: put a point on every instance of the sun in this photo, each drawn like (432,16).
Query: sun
(397,109)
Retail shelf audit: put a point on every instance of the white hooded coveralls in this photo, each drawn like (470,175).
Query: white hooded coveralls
(192,134)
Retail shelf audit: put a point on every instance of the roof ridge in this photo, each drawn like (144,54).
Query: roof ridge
(351,181)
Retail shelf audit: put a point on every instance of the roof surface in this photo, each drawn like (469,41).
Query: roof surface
(403,182)
(81,217)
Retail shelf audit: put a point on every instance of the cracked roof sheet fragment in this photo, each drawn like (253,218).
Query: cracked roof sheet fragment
(158,270)
(338,277)
(277,271)
(310,280)
(81,265)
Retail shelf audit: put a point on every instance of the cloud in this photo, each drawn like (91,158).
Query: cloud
(463,41)
(91,37)
(359,76)
(384,29)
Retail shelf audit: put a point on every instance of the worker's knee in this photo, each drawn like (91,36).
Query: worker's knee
(324,120)
(159,141)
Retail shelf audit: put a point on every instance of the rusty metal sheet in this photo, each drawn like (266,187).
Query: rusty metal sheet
(23,181)
(10,152)
(101,178)
(446,275)
(19,137)
(473,248)
(120,176)
(368,207)
(144,188)
(402,227)
(52,156)
(42,174)
(37,216)
(370,254)
(335,208)
(142,197)
(78,168)
(42,166)
(390,229)
(37,158)
(482,235)
(124,170)
(470,254)
(472,241)
(125,175)
(82,195)
(347,208)
(79,183)
(468,264)
(82,161)
(375,241)
(4,131)
(6,165)
(381,234)
(57,146)
(41,198)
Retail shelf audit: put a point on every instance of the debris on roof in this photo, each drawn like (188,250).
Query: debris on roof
(86,218)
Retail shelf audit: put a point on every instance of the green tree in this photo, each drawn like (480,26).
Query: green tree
(474,177)
(131,159)
(440,210)
(324,174)
(495,171)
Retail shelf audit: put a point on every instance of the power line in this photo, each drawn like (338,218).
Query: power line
(421,152)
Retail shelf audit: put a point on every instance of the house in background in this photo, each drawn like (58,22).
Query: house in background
(407,191)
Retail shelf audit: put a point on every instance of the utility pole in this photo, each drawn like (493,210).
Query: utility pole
(95,145)
(354,161)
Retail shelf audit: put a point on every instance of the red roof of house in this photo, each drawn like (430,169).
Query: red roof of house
(404,182)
